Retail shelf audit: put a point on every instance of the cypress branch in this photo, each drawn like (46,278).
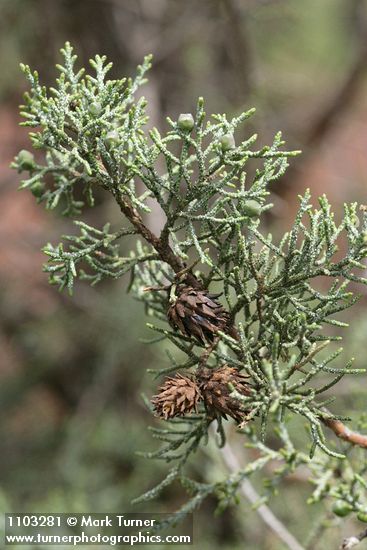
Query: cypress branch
(272,318)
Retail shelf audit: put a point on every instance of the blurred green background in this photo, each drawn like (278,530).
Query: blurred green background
(73,369)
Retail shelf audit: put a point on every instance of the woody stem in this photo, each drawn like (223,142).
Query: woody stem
(160,244)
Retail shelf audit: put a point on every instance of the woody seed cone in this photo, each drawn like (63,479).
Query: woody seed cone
(196,313)
(214,386)
(179,395)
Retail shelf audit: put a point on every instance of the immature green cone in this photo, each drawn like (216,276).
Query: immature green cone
(214,387)
(196,313)
(178,396)
(26,160)
(186,122)
(227,142)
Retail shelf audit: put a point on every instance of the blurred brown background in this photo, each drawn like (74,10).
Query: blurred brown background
(72,370)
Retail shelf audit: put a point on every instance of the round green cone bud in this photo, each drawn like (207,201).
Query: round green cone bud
(95,108)
(26,160)
(112,138)
(362,516)
(186,122)
(227,142)
(37,189)
(252,209)
(355,221)
(341,508)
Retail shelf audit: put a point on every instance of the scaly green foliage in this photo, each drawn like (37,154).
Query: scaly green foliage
(93,132)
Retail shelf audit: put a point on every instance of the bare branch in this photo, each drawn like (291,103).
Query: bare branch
(341,431)
(231,461)
(240,46)
(351,542)
(339,101)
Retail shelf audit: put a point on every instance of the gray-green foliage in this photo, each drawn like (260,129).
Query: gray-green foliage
(94,135)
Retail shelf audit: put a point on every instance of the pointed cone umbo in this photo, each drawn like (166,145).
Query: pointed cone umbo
(178,396)
(197,313)
(215,384)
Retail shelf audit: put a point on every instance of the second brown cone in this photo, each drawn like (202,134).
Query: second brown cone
(179,395)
